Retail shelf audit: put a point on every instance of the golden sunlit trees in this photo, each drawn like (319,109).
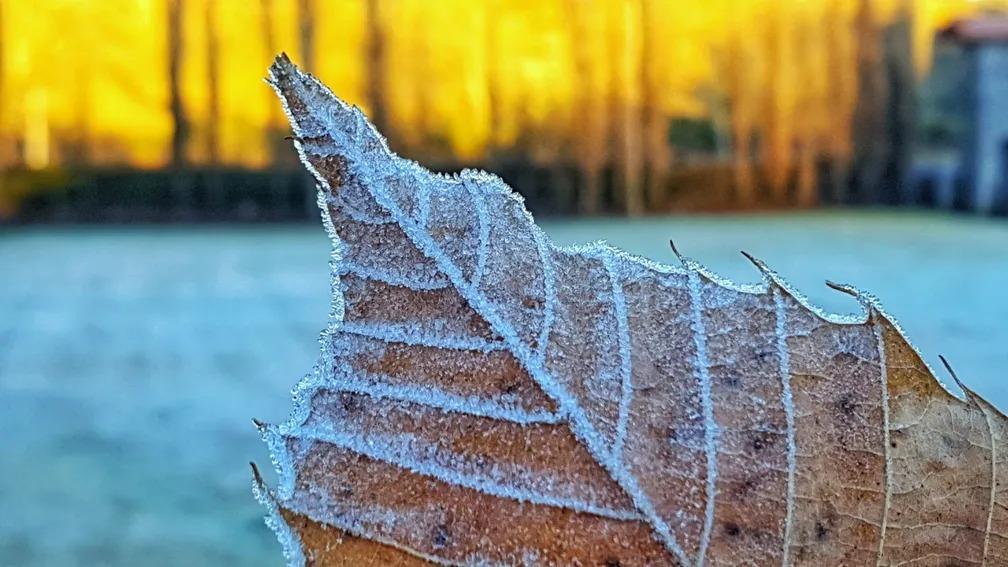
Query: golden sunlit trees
(789,89)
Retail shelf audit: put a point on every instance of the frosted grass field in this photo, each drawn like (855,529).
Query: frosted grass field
(133,359)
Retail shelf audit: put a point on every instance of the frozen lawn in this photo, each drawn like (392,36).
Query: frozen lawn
(133,359)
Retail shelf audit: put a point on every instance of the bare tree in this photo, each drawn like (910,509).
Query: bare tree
(807,116)
(268,36)
(841,80)
(80,141)
(656,149)
(306,34)
(589,119)
(628,120)
(180,122)
(273,139)
(306,38)
(375,57)
(869,128)
(741,123)
(737,67)
(778,140)
(427,88)
(901,106)
(213,82)
(3,123)
(490,36)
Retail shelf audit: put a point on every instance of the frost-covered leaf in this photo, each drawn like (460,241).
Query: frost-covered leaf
(486,397)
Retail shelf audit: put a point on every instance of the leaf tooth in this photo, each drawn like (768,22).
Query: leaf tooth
(256,476)
(760,265)
(674,249)
(844,288)
(867,300)
(688,262)
(972,397)
(291,542)
(771,277)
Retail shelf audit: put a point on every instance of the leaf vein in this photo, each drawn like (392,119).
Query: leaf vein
(623,340)
(784,360)
(580,424)
(884,376)
(710,426)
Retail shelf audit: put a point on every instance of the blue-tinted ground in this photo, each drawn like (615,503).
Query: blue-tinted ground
(133,359)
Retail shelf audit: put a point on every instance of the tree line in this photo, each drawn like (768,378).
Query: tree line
(627,101)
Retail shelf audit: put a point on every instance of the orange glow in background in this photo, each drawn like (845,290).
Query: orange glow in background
(87,82)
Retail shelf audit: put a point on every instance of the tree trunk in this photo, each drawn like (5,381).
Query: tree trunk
(588,126)
(213,83)
(741,95)
(742,174)
(180,122)
(375,54)
(306,34)
(306,39)
(900,107)
(490,36)
(869,128)
(778,140)
(628,118)
(81,138)
(273,146)
(808,110)
(841,80)
(4,139)
(656,150)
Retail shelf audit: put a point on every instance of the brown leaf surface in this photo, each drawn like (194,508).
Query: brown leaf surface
(486,397)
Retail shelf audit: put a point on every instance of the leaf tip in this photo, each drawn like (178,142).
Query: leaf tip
(281,64)
(282,60)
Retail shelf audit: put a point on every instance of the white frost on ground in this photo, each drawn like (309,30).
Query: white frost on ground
(133,359)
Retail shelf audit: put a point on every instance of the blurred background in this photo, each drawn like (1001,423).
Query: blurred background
(164,277)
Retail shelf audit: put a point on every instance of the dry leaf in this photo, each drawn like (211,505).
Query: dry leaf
(486,397)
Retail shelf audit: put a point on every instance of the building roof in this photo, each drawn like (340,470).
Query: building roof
(988,28)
